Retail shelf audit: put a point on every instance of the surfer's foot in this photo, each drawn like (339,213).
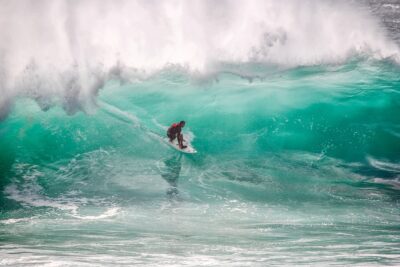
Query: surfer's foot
(182,147)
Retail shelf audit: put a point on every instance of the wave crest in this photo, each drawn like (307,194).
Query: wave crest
(64,51)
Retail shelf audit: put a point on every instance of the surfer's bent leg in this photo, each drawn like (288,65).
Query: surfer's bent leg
(180,141)
(170,136)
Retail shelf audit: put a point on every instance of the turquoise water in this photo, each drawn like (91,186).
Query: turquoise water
(295,166)
(293,107)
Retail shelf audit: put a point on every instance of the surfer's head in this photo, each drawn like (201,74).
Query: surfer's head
(182,123)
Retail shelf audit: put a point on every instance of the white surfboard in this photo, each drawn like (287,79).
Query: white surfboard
(189,149)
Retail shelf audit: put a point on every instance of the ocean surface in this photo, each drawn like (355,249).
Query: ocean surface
(293,107)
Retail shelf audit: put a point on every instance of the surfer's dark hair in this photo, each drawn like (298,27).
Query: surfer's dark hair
(182,122)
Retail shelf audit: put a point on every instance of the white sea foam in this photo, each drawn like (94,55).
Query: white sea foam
(12,221)
(383,165)
(395,183)
(28,193)
(111,212)
(29,196)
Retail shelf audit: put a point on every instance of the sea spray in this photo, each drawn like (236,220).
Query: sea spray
(62,53)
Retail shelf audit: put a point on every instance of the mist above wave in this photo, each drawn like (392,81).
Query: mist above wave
(64,51)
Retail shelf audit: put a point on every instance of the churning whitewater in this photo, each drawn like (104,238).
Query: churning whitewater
(293,108)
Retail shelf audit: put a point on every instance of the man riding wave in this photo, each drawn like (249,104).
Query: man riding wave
(175,132)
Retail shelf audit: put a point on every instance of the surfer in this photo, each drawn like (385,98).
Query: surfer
(175,132)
